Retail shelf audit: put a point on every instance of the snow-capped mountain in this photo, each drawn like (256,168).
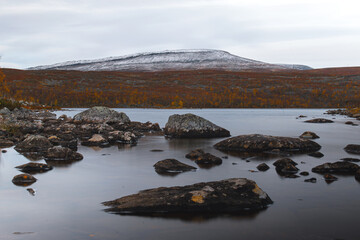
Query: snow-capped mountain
(170,60)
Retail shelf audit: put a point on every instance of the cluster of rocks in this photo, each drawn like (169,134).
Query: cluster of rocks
(346,112)
(203,159)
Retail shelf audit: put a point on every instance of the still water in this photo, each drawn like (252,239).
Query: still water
(67,204)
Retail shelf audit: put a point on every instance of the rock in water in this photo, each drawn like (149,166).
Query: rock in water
(59,153)
(264,143)
(192,126)
(263,167)
(357,175)
(34,167)
(353,148)
(319,120)
(172,166)
(24,180)
(309,135)
(101,114)
(337,167)
(34,143)
(226,196)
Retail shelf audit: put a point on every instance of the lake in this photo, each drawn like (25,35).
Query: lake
(67,204)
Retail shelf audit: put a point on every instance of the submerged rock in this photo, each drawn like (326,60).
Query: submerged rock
(226,196)
(24,180)
(101,114)
(265,143)
(172,166)
(353,148)
(34,167)
(192,126)
(337,167)
(319,120)
(34,143)
(309,135)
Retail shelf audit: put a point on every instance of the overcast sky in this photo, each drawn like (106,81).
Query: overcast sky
(318,33)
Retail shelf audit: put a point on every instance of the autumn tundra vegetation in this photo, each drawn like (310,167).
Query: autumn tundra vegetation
(318,88)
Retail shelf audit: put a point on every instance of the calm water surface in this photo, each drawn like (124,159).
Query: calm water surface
(67,204)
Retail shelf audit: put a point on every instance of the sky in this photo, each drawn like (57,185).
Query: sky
(317,33)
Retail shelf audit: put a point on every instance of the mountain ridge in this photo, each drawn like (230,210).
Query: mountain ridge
(193,59)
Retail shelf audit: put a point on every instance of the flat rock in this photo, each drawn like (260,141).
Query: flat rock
(172,166)
(34,143)
(309,135)
(34,167)
(265,143)
(337,167)
(101,114)
(192,126)
(319,120)
(353,148)
(316,154)
(226,196)
(59,153)
(351,159)
(263,167)
(24,179)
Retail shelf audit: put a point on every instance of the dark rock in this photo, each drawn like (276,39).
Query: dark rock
(350,159)
(264,143)
(283,162)
(101,114)
(59,153)
(195,154)
(263,167)
(5,143)
(24,180)
(319,120)
(353,148)
(357,175)
(3,151)
(226,196)
(156,150)
(309,135)
(208,159)
(225,157)
(337,167)
(34,167)
(192,126)
(349,123)
(330,178)
(65,140)
(172,166)
(316,154)
(286,167)
(34,143)
(96,140)
(137,126)
(304,173)
(312,180)
(302,116)
(31,191)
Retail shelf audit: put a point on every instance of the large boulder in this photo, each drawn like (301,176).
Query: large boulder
(337,167)
(353,148)
(192,126)
(319,120)
(226,196)
(34,143)
(172,166)
(264,143)
(101,114)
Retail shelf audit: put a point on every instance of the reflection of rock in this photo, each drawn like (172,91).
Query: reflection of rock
(319,120)
(192,126)
(59,153)
(34,143)
(231,195)
(24,180)
(172,166)
(337,167)
(353,148)
(263,167)
(265,143)
(34,167)
(309,135)
(101,114)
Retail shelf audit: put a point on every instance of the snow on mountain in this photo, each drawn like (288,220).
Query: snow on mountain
(170,60)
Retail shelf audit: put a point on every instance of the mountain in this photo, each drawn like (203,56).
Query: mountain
(171,60)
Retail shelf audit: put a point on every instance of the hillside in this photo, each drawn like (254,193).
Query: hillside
(318,88)
(171,61)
